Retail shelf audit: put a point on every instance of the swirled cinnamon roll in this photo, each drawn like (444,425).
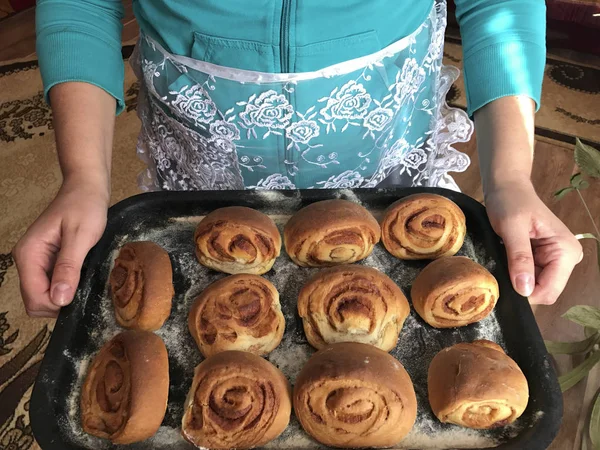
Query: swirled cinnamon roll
(423,226)
(124,396)
(476,385)
(237,239)
(141,285)
(355,395)
(237,400)
(238,312)
(352,303)
(454,291)
(330,232)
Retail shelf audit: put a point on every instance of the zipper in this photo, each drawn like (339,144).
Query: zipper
(284,40)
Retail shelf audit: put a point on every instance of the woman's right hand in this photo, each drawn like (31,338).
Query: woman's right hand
(50,255)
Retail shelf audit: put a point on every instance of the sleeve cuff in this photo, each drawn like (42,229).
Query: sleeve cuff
(70,55)
(504,69)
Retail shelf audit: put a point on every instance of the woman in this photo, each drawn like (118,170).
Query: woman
(280,94)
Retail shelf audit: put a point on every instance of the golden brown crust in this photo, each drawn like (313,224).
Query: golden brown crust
(238,312)
(476,385)
(330,232)
(352,303)
(141,284)
(237,239)
(423,226)
(454,291)
(124,396)
(355,395)
(237,400)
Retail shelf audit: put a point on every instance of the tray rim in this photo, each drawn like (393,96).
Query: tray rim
(41,410)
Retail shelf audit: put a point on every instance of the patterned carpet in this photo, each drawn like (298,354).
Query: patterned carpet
(30,176)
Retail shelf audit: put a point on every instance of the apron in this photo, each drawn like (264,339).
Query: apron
(376,121)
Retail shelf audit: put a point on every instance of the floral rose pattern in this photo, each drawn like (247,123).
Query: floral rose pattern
(351,101)
(345,180)
(269,110)
(346,129)
(302,131)
(195,104)
(225,130)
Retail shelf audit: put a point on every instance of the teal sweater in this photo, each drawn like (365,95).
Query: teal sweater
(80,40)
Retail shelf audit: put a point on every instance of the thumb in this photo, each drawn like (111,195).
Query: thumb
(520,258)
(67,269)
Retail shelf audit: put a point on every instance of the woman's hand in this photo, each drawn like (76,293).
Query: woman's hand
(50,254)
(542,252)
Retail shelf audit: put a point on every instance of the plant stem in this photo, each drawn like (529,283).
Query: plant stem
(589,213)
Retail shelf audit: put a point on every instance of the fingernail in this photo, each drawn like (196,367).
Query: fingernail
(61,294)
(524,283)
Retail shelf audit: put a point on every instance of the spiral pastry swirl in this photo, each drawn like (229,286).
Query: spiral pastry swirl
(454,291)
(423,226)
(355,395)
(239,312)
(124,396)
(141,285)
(237,239)
(476,385)
(352,303)
(237,400)
(330,232)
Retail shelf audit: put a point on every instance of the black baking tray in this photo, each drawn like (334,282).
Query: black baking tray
(72,331)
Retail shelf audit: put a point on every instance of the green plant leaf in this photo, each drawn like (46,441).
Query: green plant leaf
(570,379)
(586,236)
(573,348)
(576,180)
(587,158)
(587,331)
(595,423)
(583,185)
(588,316)
(562,192)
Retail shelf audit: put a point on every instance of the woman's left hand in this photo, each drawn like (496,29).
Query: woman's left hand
(542,252)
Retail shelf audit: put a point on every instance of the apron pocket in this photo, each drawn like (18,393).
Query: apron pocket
(323,54)
(234,53)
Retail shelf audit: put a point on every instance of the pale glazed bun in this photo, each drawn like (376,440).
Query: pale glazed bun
(354,395)
(141,286)
(238,312)
(423,226)
(124,396)
(476,385)
(237,239)
(330,232)
(352,303)
(237,400)
(454,291)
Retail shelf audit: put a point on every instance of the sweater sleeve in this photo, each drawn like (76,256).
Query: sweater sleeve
(80,40)
(504,49)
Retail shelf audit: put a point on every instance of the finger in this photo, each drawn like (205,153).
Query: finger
(75,245)
(32,266)
(552,281)
(520,258)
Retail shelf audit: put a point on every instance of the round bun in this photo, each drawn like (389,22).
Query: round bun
(124,396)
(354,395)
(330,232)
(423,226)
(352,303)
(141,286)
(238,312)
(237,400)
(237,239)
(454,291)
(476,385)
